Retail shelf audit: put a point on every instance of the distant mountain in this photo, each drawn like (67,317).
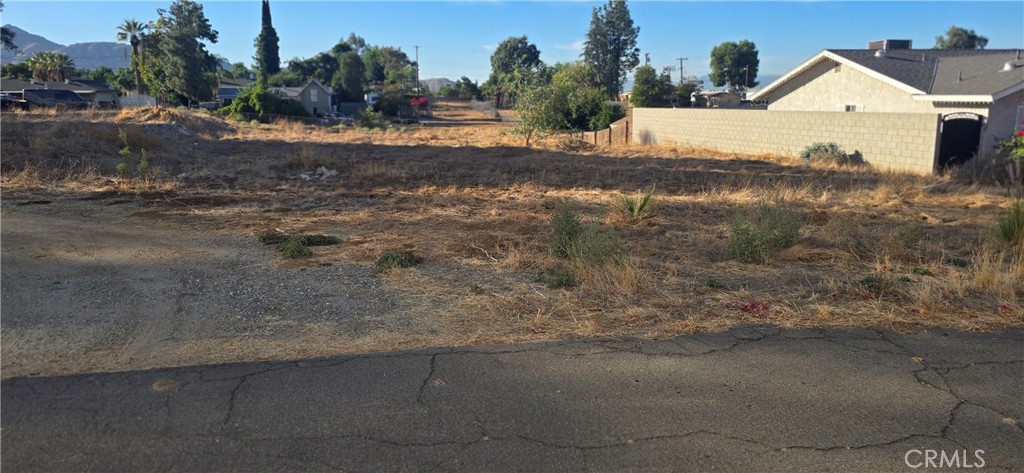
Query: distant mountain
(86,55)
(436,84)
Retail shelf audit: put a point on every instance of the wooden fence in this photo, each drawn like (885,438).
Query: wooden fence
(617,133)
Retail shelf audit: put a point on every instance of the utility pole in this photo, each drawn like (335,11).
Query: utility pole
(647,59)
(417,69)
(681,59)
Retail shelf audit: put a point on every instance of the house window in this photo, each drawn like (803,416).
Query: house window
(312,95)
(850,108)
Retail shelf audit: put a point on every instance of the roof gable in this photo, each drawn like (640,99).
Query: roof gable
(926,72)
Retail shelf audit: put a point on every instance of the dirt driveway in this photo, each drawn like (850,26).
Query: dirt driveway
(104,285)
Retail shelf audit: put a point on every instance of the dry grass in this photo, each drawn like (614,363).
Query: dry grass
(475,204)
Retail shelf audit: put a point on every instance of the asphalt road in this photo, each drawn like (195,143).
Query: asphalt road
(755,398)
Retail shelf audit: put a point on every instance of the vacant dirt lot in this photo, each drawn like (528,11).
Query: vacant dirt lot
(111,273)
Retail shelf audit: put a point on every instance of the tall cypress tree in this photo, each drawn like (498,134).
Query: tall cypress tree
(610,47)
(268,59)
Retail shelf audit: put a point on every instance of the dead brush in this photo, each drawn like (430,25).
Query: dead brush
(132,136)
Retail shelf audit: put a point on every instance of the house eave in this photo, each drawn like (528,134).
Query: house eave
(1008,91)
(984,99)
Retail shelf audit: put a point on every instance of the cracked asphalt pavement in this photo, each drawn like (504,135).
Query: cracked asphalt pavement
(754,398)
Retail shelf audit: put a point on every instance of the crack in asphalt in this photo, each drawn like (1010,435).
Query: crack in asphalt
(423,386)
(209,375)
(949,389)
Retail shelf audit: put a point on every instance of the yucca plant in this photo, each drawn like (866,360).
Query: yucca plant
(639,206)
(1010,226)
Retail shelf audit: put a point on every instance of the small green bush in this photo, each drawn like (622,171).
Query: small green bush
(561,278)
(756,235)
(294,247)
(1010,226)
(297,245)
(878,284)
(829,153)
(597,247)
(566,228)
(392,259)
(371,119)
(637,207)
(714,283)
(257,100)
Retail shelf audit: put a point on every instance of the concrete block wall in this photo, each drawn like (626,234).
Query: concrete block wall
(900,141)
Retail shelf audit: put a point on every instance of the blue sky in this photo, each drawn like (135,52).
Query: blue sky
(457,37)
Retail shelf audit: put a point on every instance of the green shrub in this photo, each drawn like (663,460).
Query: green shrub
(829,153)
(370,119)
(294,247)
(566,228)
(597,247)
(638,207)
(562,277)
(257,100)
(757,234)
(878,284)
(1010,226)
(714,283)
(397,259)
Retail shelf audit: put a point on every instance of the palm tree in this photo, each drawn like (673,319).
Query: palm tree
(132,31)
(51,65)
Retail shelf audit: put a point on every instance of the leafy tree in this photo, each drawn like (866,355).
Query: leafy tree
(340,48)
(382,60)
(320,67)
(586,104)
(188,69)
(569,102)
(515,64)
(50,66)
(133,31)
(6,35)
(16,70)
(391,100)
(960,38)
(651,89)
(348,81)
(123,80)
(515,54)
(463,89)
(734,64)
(541,109)
(102,73)
(684,91)
(239,71)
(357,43)
(268,59)
(610,47)
(286,78)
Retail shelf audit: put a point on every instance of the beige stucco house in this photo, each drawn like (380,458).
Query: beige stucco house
(978,94)
(314,96)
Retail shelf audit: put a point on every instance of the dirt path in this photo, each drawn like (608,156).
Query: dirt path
(105,286)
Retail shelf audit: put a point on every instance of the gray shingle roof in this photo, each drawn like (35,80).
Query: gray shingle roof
(944,72)
(82,86)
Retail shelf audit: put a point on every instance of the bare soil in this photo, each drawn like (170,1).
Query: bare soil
(104,273)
